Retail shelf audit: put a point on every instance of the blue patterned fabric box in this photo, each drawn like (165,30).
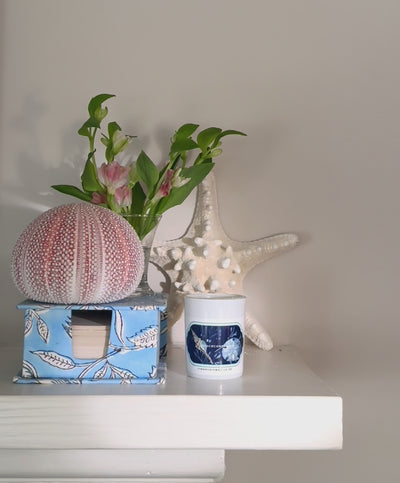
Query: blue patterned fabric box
(134,347)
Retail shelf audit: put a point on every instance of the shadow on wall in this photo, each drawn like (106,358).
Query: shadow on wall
(21,200)
(11,327)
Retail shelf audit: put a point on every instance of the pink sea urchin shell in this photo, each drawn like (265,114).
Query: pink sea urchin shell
(77,253)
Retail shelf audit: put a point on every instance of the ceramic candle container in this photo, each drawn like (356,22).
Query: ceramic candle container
(214,335)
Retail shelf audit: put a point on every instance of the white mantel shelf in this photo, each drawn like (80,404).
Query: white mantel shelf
(279,403)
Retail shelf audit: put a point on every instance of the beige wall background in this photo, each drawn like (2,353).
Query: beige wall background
(315,85)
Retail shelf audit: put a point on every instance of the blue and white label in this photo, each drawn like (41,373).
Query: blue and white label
(214,345)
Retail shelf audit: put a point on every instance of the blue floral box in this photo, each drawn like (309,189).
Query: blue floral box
(134,346)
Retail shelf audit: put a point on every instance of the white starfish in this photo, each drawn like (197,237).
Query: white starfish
(205,259)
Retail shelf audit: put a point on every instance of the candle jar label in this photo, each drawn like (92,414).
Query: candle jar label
(214,345)
(214,335)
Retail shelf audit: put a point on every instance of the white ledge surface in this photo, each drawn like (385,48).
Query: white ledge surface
(277,404)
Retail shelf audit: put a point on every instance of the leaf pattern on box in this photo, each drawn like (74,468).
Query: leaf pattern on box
(121,373)
(29,317)
(126,381)
(49,358)
(119,327)
(33,315)
(164,330)
(68,327)
(64,381)
(146,338)
(91,364)
(55,359)
(28,370)
(43,330)
(153,372)
(100,374)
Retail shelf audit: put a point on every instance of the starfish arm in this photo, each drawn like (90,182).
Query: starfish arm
(257,334)
(206,259)
(206,222)
(250,254)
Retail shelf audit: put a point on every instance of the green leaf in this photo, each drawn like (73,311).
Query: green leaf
(138,199)
(197,173)
(96,102)
(147,171)
(84,129)
(112,127)
(227,133)
(178,195)
(89,178)
(181,145)
(72,191)
(206,137)
(109,154)
(185,131)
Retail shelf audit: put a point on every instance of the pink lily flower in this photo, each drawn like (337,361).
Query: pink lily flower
(166,185)
(99,198)
(123,197)
(113,176)
(172,179)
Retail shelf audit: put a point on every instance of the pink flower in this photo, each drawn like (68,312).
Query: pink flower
(166,185)
(123,197)
(99,198)
(113,176)
(172,179)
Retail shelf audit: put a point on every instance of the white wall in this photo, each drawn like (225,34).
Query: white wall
(315,85)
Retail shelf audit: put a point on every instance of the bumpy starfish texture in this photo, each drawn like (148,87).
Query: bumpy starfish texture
(205,259)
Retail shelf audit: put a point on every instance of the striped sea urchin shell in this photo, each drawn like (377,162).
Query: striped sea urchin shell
(77,253)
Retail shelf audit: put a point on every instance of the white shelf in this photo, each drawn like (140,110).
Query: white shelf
(277,404)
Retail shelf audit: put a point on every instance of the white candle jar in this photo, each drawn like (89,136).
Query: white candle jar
(214,335)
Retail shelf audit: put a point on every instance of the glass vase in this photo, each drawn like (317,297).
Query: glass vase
(145,227)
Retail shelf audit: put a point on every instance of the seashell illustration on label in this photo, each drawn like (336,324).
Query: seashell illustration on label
(214,344)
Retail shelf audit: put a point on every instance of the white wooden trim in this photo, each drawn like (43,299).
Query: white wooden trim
(277,404)
(117,465)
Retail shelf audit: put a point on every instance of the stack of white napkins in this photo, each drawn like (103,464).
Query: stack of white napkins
(90,333)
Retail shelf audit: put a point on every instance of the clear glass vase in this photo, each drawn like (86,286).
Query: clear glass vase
(145,227)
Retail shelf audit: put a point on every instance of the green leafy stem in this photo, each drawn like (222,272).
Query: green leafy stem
(145,189)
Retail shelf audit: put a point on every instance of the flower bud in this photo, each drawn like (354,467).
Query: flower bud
(119,141)
(216,152)
(99,198)
(123,197)
(100,113)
